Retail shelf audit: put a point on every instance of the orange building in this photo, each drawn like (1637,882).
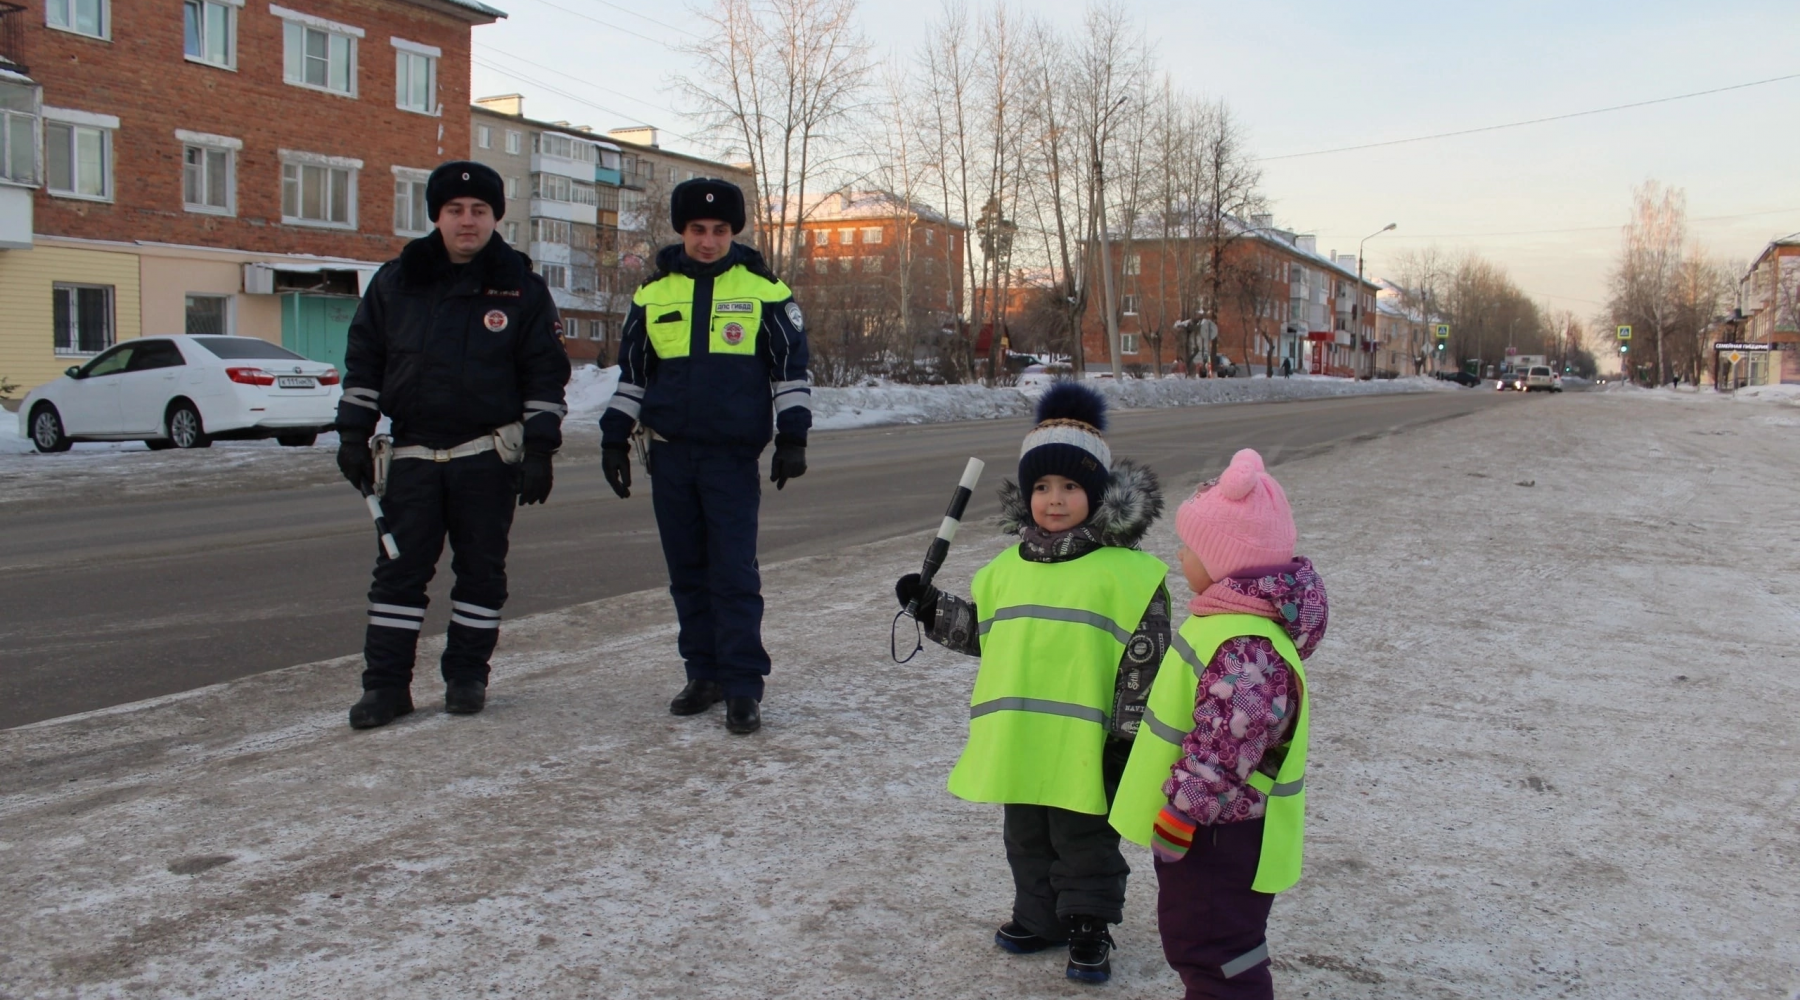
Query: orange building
(1281,297)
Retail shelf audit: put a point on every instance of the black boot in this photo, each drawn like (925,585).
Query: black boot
(464,697)
(742,715)
(1019,941)
(380,706)
(1090,949)
(697,697)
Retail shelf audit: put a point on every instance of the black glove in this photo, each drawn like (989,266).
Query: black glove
(535,477)
(355,460)
(789,462)
(615,465)
(908,587)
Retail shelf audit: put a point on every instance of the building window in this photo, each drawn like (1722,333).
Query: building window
(411,215)
(512,187)
(318,190)
(415,77)
(18,133)
(318,53)
(210,32)
(1130,305)
(596,329)
(581,280)
(821,237)
(555,275)
(83,315)
(515,142)
(209,314)
(512,233)
(556,187)
(571,328)
(484,137)
(846,236)
(84,17)
(930,234)
(550,231)
(78,158)
(1127,343)
(844,264)
(206,182)
(872,235)
(1134,264)
(821,265)
(871,265)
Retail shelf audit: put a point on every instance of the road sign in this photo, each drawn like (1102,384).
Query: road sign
(1511,351)
(1735,357)
(1443,331)
(1625,331)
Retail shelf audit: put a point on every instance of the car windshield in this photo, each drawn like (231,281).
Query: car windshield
(236,348)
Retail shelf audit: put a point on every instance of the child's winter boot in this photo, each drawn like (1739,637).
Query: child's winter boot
(1015,938)
(1090,949)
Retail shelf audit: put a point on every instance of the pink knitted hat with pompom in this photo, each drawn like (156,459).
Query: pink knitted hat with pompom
(1240,522)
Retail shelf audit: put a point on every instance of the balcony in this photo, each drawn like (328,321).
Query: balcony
(581,170)
(15,217)
(12,38)
(568,211)
(611,178)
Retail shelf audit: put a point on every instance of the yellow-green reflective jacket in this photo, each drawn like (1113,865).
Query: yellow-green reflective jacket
(1170,717)
(1052,635)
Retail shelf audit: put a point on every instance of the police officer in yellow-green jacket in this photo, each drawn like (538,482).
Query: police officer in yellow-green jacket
(1070,625)
(712,362)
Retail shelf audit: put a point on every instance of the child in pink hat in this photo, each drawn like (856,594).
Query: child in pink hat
(1228,833)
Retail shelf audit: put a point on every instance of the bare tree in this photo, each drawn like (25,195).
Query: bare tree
(1230,194)
(1109,64)
(1646,276)
(777,79)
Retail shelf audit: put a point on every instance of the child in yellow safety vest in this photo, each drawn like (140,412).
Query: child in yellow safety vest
(1216,785)
(1070,625)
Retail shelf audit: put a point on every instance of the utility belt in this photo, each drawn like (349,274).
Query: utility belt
(508,441)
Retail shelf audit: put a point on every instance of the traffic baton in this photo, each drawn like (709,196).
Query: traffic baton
(388,544)
(935,555)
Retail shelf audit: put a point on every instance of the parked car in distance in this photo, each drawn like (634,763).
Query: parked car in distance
(1540,378)
(184,391)
(1463,379)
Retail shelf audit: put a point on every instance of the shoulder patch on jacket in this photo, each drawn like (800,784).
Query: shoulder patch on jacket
(794,317)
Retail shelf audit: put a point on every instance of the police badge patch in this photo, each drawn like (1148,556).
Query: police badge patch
(495,320)
(734,333)
(793,311)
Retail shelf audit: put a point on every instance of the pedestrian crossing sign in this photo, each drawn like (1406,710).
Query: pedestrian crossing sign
(1443,331)
(1625,331)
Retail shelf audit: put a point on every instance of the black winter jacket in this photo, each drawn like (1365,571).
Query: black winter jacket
(450,353)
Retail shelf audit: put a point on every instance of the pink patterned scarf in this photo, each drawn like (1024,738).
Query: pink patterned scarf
(1221,599)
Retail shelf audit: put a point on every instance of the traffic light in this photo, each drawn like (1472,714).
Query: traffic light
(1624,348)
(1440,345)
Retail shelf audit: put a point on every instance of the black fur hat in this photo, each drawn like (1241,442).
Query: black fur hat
(706,198)
(1067,440)
(465,179)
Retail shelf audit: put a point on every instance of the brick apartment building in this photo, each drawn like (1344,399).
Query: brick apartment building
(876,268)
(590,209)
(1769,304)
(1310,307)
(202,166)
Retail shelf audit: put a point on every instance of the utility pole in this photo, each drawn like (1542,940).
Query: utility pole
(1357,310)
(1106,282)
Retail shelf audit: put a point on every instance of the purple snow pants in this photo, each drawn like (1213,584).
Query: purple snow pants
(1213,924)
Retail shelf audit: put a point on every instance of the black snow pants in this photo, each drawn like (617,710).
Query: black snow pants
(471,501)
(706,499)
(1214,925)
(1066,863)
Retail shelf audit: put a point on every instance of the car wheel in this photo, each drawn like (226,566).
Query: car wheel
(185,428)
(296,440)
(47,430)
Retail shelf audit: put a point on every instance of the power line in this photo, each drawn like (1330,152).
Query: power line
(1520,124)
(1577,229)
(586,83)
(616,27)
(515,75)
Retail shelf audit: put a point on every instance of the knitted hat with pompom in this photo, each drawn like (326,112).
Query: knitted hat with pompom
(1067,441)
(1240,522)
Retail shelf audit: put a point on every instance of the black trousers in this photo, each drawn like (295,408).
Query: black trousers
(1066,863)
(1214,926)
(706,499)
(470,501)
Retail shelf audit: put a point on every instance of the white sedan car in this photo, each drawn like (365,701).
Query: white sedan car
(185,392)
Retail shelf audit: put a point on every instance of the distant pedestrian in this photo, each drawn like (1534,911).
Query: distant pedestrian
(1287,368)
(1217,787)
(459,343)
(1068,623)
(712,360)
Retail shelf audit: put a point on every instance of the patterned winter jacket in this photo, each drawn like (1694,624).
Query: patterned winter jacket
(1131,503)
(1246,698)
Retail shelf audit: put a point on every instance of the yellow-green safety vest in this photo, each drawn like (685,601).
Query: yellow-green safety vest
(738,300)
(1169,717)
(1052,635)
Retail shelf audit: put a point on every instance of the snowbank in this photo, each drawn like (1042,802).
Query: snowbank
(1532,775)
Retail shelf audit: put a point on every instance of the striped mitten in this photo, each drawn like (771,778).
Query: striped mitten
(1173,835)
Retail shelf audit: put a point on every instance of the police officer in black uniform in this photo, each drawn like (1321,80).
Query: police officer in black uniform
(459,343)
(712,358)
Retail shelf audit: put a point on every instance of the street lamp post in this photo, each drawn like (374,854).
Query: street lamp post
(1359,291)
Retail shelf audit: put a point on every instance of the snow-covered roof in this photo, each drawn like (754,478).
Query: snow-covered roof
(477,7)
(1149,228)
(847,206)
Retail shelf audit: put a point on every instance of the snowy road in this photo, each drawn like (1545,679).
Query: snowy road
(1554,755)
(131,587)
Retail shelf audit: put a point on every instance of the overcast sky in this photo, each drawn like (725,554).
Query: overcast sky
(1307,76)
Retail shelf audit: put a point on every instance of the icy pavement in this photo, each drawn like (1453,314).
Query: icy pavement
(1554,756)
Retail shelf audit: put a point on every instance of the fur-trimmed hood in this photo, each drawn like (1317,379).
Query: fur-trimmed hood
(498,265)
(1132,502)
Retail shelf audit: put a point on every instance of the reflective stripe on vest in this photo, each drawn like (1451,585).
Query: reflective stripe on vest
(734,313)
(1169,717)
(1051,640)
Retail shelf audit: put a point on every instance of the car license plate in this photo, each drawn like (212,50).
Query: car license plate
(291,382)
